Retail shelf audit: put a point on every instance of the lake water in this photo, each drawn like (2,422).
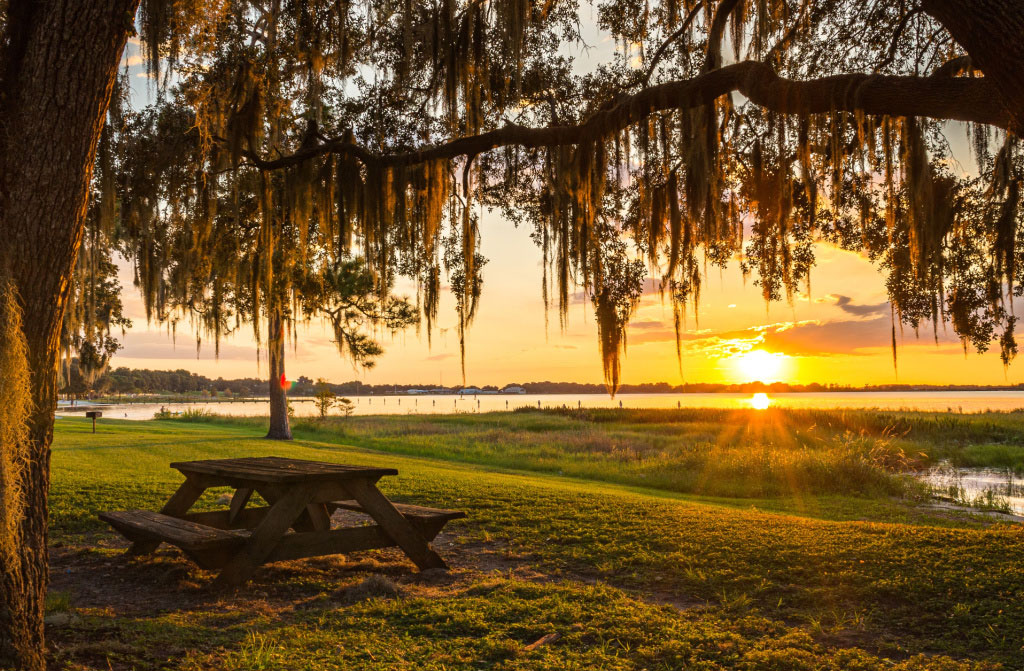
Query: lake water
(434,404)
(985,485)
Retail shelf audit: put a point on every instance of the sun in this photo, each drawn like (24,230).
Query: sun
(760,401)
(758,365)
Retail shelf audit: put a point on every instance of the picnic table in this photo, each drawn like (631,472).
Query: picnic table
(297,524)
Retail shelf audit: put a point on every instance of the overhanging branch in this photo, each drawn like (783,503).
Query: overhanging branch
(950,98)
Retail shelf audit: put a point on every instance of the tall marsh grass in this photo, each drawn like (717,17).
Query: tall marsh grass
(728,453)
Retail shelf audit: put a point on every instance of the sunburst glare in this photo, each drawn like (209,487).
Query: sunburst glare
(760,366)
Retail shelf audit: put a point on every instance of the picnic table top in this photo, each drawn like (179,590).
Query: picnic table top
(281,470)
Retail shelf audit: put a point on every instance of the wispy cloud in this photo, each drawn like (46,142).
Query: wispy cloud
(846,304)
(647,324)
(157,345)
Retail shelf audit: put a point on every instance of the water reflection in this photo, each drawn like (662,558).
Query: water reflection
(760,402)
(984,488)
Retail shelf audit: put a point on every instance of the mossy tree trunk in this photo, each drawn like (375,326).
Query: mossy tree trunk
(57,71)
(280,429)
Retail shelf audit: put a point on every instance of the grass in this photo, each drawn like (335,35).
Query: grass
(628,577)
(723,453)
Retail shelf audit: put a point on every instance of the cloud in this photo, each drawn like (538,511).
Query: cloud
(845,336)
(647,324)
(440,357)
(849,337)
(846,304)
(157,345)
(651,287)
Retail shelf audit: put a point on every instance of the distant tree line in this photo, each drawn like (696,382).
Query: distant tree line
(127,381)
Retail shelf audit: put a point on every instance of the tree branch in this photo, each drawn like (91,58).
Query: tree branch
(953,98)
(713,59)
(953,67)
(989,31)
(900,27)
(669,40)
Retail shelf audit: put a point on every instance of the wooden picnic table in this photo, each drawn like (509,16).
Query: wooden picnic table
(297,523)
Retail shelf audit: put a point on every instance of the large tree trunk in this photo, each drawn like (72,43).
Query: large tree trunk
(992,33)
(280,428)
(58,72)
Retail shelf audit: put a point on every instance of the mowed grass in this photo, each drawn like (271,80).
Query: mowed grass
(628,578)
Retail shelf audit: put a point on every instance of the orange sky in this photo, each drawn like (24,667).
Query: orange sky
(839,333)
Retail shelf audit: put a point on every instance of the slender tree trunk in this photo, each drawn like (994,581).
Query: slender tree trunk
(279,425)
(57,72)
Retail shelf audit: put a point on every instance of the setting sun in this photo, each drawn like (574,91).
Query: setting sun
(760,401)
(760,366)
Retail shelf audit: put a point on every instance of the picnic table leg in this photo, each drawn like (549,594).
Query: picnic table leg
(314,518)
(265,537)
(395,525)
(318,516)
(179,504)
(238,501)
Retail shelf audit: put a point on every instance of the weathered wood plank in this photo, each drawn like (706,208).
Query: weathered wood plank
(238,501)
(183,498)
(411,512)
(279,469)
(248,518)
(265,536)
(145,524)
(319,518)
(332,491)
(340,541)
(405,535)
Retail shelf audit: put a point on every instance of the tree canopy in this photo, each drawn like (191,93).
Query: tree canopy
(724,132)
(94,313)
(721,132)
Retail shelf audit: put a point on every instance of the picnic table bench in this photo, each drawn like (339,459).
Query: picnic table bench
(297,524)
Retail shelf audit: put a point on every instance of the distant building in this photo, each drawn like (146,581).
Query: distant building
(471,391)
(416,391)
(513,390)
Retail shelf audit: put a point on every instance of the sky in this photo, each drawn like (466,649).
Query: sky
(840,332)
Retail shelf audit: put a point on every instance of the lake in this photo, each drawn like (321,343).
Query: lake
(936,401)
(979,487)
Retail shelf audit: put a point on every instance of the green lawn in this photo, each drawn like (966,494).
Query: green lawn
(629,578)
